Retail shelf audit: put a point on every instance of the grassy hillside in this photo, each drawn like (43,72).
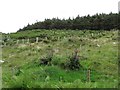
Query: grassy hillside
(97,50)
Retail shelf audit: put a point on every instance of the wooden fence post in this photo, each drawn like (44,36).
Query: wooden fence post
(28,40)
(4,44)
(37,39)
(88,75)
(92,34)
(45,38)
(23,41)
(17,41)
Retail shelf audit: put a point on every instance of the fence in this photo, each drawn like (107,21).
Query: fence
(10,41)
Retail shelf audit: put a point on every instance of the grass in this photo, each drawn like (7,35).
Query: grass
(97,51)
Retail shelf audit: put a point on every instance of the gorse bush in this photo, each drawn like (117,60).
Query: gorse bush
(73,62)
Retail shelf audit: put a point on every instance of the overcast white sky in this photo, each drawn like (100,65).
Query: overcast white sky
(15,14)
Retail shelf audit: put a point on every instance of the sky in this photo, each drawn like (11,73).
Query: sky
(15,14)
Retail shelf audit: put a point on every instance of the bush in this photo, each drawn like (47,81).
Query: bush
(47,60)
(73,63)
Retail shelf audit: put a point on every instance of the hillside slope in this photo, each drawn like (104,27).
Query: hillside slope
(98,51)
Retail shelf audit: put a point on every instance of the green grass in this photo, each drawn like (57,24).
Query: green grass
(21,67)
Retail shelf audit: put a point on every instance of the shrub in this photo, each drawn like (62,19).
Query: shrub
(47,60)
(73,63)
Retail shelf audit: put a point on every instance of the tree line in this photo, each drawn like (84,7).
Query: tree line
(94,22)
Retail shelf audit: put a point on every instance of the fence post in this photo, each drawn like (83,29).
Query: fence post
(37,39)
(23,41)
(45,38)
(64,37)
(92,34)
(88,75)
(4,43)
(28,40)
(17,41)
